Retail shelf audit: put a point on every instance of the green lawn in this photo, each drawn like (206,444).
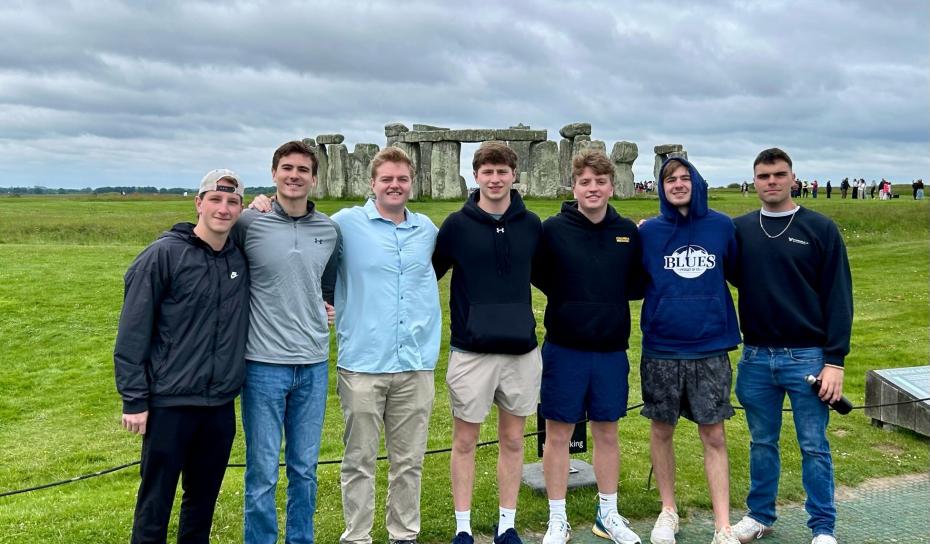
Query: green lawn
(61,266)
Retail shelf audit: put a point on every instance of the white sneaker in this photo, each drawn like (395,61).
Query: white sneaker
(559,532)
(725,536)
(824,539)
(666,527)
(748,529)
(614,527)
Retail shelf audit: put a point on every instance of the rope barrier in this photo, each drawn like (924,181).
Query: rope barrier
(379,458)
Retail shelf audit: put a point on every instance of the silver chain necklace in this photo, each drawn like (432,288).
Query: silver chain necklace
(761,226)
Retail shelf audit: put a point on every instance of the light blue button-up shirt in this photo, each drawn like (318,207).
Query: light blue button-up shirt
(387,301)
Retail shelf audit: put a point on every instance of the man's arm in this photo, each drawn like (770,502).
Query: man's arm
(442,260)
(835,288)
(131,354)
(636,275)
(328,281)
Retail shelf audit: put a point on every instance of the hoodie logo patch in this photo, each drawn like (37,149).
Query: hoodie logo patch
(623,239)
(233,275)
(690,261)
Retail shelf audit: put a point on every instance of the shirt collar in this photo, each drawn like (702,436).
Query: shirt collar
(411,219)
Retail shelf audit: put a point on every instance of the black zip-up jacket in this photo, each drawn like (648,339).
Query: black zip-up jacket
(490,304)
(183,327)
(589,273)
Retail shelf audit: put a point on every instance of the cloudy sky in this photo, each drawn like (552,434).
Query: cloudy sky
(99,93)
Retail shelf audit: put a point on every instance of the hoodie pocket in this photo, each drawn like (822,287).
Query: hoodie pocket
(501,328)
(688,318)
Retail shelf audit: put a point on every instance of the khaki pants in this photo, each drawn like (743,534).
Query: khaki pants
(400,403)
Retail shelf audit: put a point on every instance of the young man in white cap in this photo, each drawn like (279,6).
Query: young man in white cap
(180,361)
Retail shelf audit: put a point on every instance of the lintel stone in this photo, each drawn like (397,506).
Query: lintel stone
(473,135)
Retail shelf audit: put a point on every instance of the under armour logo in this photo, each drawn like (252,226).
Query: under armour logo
(318,241)
(500,230)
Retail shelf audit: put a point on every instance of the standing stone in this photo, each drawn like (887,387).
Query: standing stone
(322,173)
(358,184)
(575,129)
(412,151)
(565,161)
(309,142)
(446,183)
(424,175)
(522,149)
(545,174)
(623,155)
(330,139)
(392,132)
(664,152)
(579,143)
(338,170)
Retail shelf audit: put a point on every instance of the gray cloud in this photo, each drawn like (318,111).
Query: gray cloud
(111,93)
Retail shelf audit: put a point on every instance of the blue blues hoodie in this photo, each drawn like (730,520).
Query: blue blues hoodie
(688,311)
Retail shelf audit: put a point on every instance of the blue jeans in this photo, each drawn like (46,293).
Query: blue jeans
(764,376)
(292,399)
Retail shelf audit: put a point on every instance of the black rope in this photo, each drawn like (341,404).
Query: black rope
(379,458)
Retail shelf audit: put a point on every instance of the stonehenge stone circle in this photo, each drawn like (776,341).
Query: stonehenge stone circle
(544,166)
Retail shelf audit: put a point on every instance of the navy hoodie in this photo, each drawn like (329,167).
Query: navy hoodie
(490,304)
(688,311)
(589,273)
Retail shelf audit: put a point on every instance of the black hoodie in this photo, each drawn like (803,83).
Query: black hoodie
(589,273)
(491,259)
(183,327)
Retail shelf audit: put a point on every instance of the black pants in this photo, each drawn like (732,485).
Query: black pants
(193,441)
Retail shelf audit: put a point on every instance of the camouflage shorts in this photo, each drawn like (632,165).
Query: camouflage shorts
(698,389)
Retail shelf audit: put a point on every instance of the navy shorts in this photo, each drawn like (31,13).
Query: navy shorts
(579,385)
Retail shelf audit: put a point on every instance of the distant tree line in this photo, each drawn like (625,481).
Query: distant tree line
(127,190)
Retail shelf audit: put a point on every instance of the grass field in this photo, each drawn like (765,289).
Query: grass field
(61,266)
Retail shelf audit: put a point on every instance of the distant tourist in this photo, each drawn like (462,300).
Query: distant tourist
(872,189)
(178,390)
(493,357)
(689,251)
(744,189)
(861,188)
(829,188)
(919,193)
(792,327)
(814,187)
(585,365)
(844,187)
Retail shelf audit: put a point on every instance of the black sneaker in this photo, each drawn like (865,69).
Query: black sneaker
(463,538)
(509,537)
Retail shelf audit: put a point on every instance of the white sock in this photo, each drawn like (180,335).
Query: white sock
(557,509)
(607,503)
(463,522)
(506,519)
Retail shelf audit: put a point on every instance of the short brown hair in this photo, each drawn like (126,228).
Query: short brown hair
(391,154)
(670,167)
(494,153)
(594,159)
(770,156)
(294,146)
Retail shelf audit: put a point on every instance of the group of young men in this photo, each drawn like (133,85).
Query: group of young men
(181,352)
